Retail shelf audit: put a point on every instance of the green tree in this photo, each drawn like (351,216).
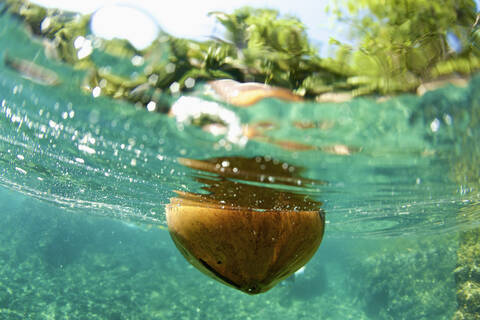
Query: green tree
(404,42)
(275,49)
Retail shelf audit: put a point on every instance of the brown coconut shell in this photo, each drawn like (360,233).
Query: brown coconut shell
(244,248)
(245,235)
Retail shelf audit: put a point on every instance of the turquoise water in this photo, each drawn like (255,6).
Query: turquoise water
(84,182)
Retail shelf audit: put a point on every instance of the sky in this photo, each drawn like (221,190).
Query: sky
(189,19)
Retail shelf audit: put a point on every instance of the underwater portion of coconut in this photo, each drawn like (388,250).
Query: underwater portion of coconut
(247,236)
(247,249)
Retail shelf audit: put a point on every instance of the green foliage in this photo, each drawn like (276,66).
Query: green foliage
(404,42)
(61,28)
(275,50)
(400,44)
(262,47)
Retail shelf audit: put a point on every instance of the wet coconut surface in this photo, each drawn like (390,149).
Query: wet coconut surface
(247,236)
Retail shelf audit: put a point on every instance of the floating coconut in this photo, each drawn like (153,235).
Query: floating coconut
(247,236)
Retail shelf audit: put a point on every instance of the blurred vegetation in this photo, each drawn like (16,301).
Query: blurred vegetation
(402,43)
(59,27)
(397,46)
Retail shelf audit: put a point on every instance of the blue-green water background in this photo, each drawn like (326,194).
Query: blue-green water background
(84,182)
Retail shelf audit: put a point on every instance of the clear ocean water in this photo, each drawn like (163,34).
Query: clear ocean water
(84,182)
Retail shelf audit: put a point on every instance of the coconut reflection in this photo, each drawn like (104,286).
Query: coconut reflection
(252,228)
